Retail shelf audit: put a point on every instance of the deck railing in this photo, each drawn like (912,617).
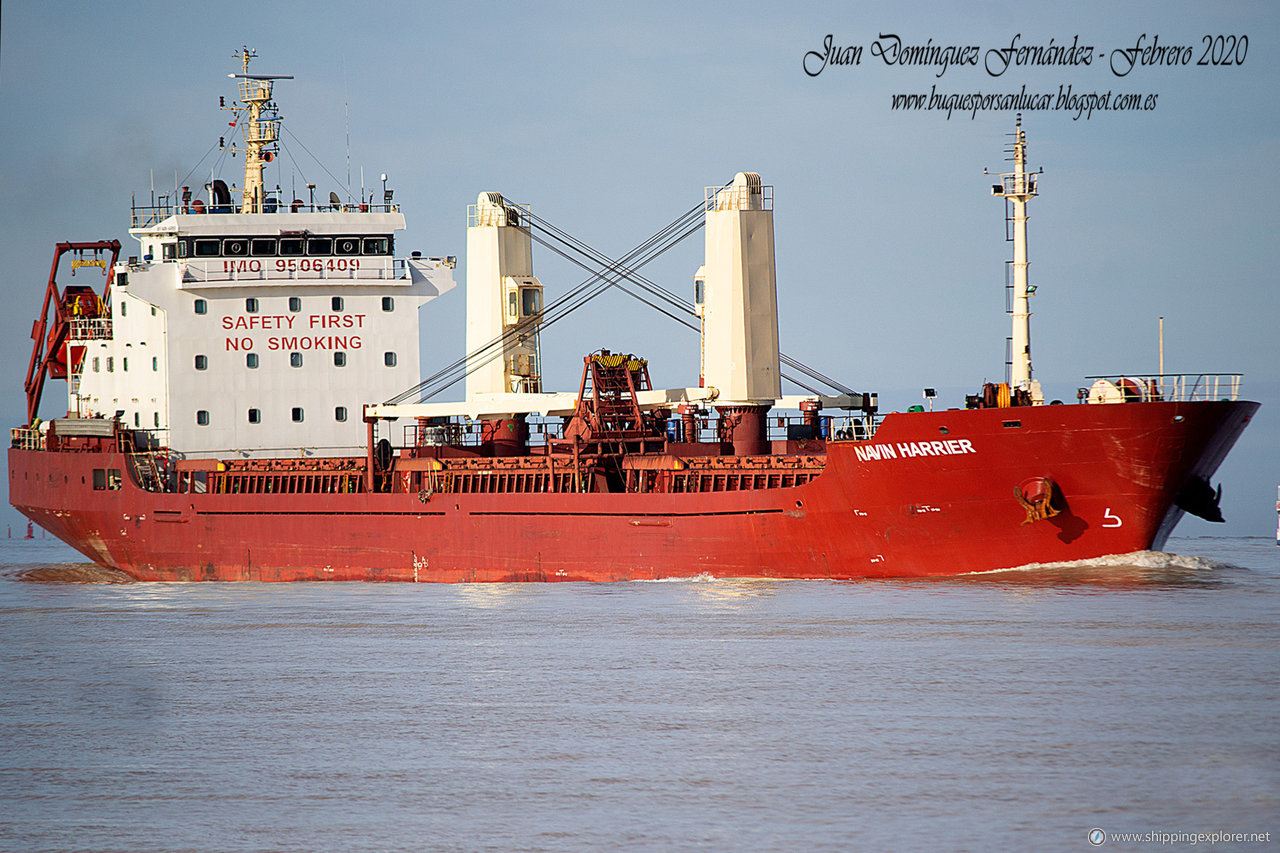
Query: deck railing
(1173,387)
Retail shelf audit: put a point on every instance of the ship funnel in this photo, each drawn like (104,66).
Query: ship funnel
(739,294)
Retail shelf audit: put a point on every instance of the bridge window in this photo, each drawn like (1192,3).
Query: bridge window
(202,417)
(297,414)
(251,360)
(208,248)
(339,359)
(388,303)
(235,248)
(202,307)
(261,247)
(346,246)
(377,246)
(255,416)
(340,414)
(202,362)
(320,246)
(291,245)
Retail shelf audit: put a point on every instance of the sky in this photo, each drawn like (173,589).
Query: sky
(610,121)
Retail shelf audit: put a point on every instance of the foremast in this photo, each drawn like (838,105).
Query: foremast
(1017,188)
(260,129)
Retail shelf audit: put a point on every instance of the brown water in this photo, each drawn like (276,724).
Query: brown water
(1009,711)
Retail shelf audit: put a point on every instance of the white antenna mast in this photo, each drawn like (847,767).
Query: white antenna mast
(346,114)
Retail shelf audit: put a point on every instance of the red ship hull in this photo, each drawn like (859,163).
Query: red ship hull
(943,501)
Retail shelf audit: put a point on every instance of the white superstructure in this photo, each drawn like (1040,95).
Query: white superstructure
(256,333)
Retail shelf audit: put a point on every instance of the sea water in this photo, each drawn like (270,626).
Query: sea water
(1017,710)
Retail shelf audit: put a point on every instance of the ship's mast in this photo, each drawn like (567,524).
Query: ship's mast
(1018,187)
(260,131)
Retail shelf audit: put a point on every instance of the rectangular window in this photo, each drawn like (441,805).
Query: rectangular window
(184,248)
(99,479)
(137,419)
(339,359)
(111,365)
(337,303)
(156,416)
(388,304)
(95,364)
(124,309)
(262,247)
(208,248)
(202,307)
(291,245)
(340,414)
(124,364)
(155,363)
(295,359)
(202,417)
(202,362)
(295,303)
(168,251)
(346,246)
(251,360)
(529,297)
(255,416)
(237,248)
(251,305)
(377,246)
(389,359)
(297,414)
(320,246)
(512,304)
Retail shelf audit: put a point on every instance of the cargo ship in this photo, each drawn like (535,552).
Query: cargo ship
(223,418)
